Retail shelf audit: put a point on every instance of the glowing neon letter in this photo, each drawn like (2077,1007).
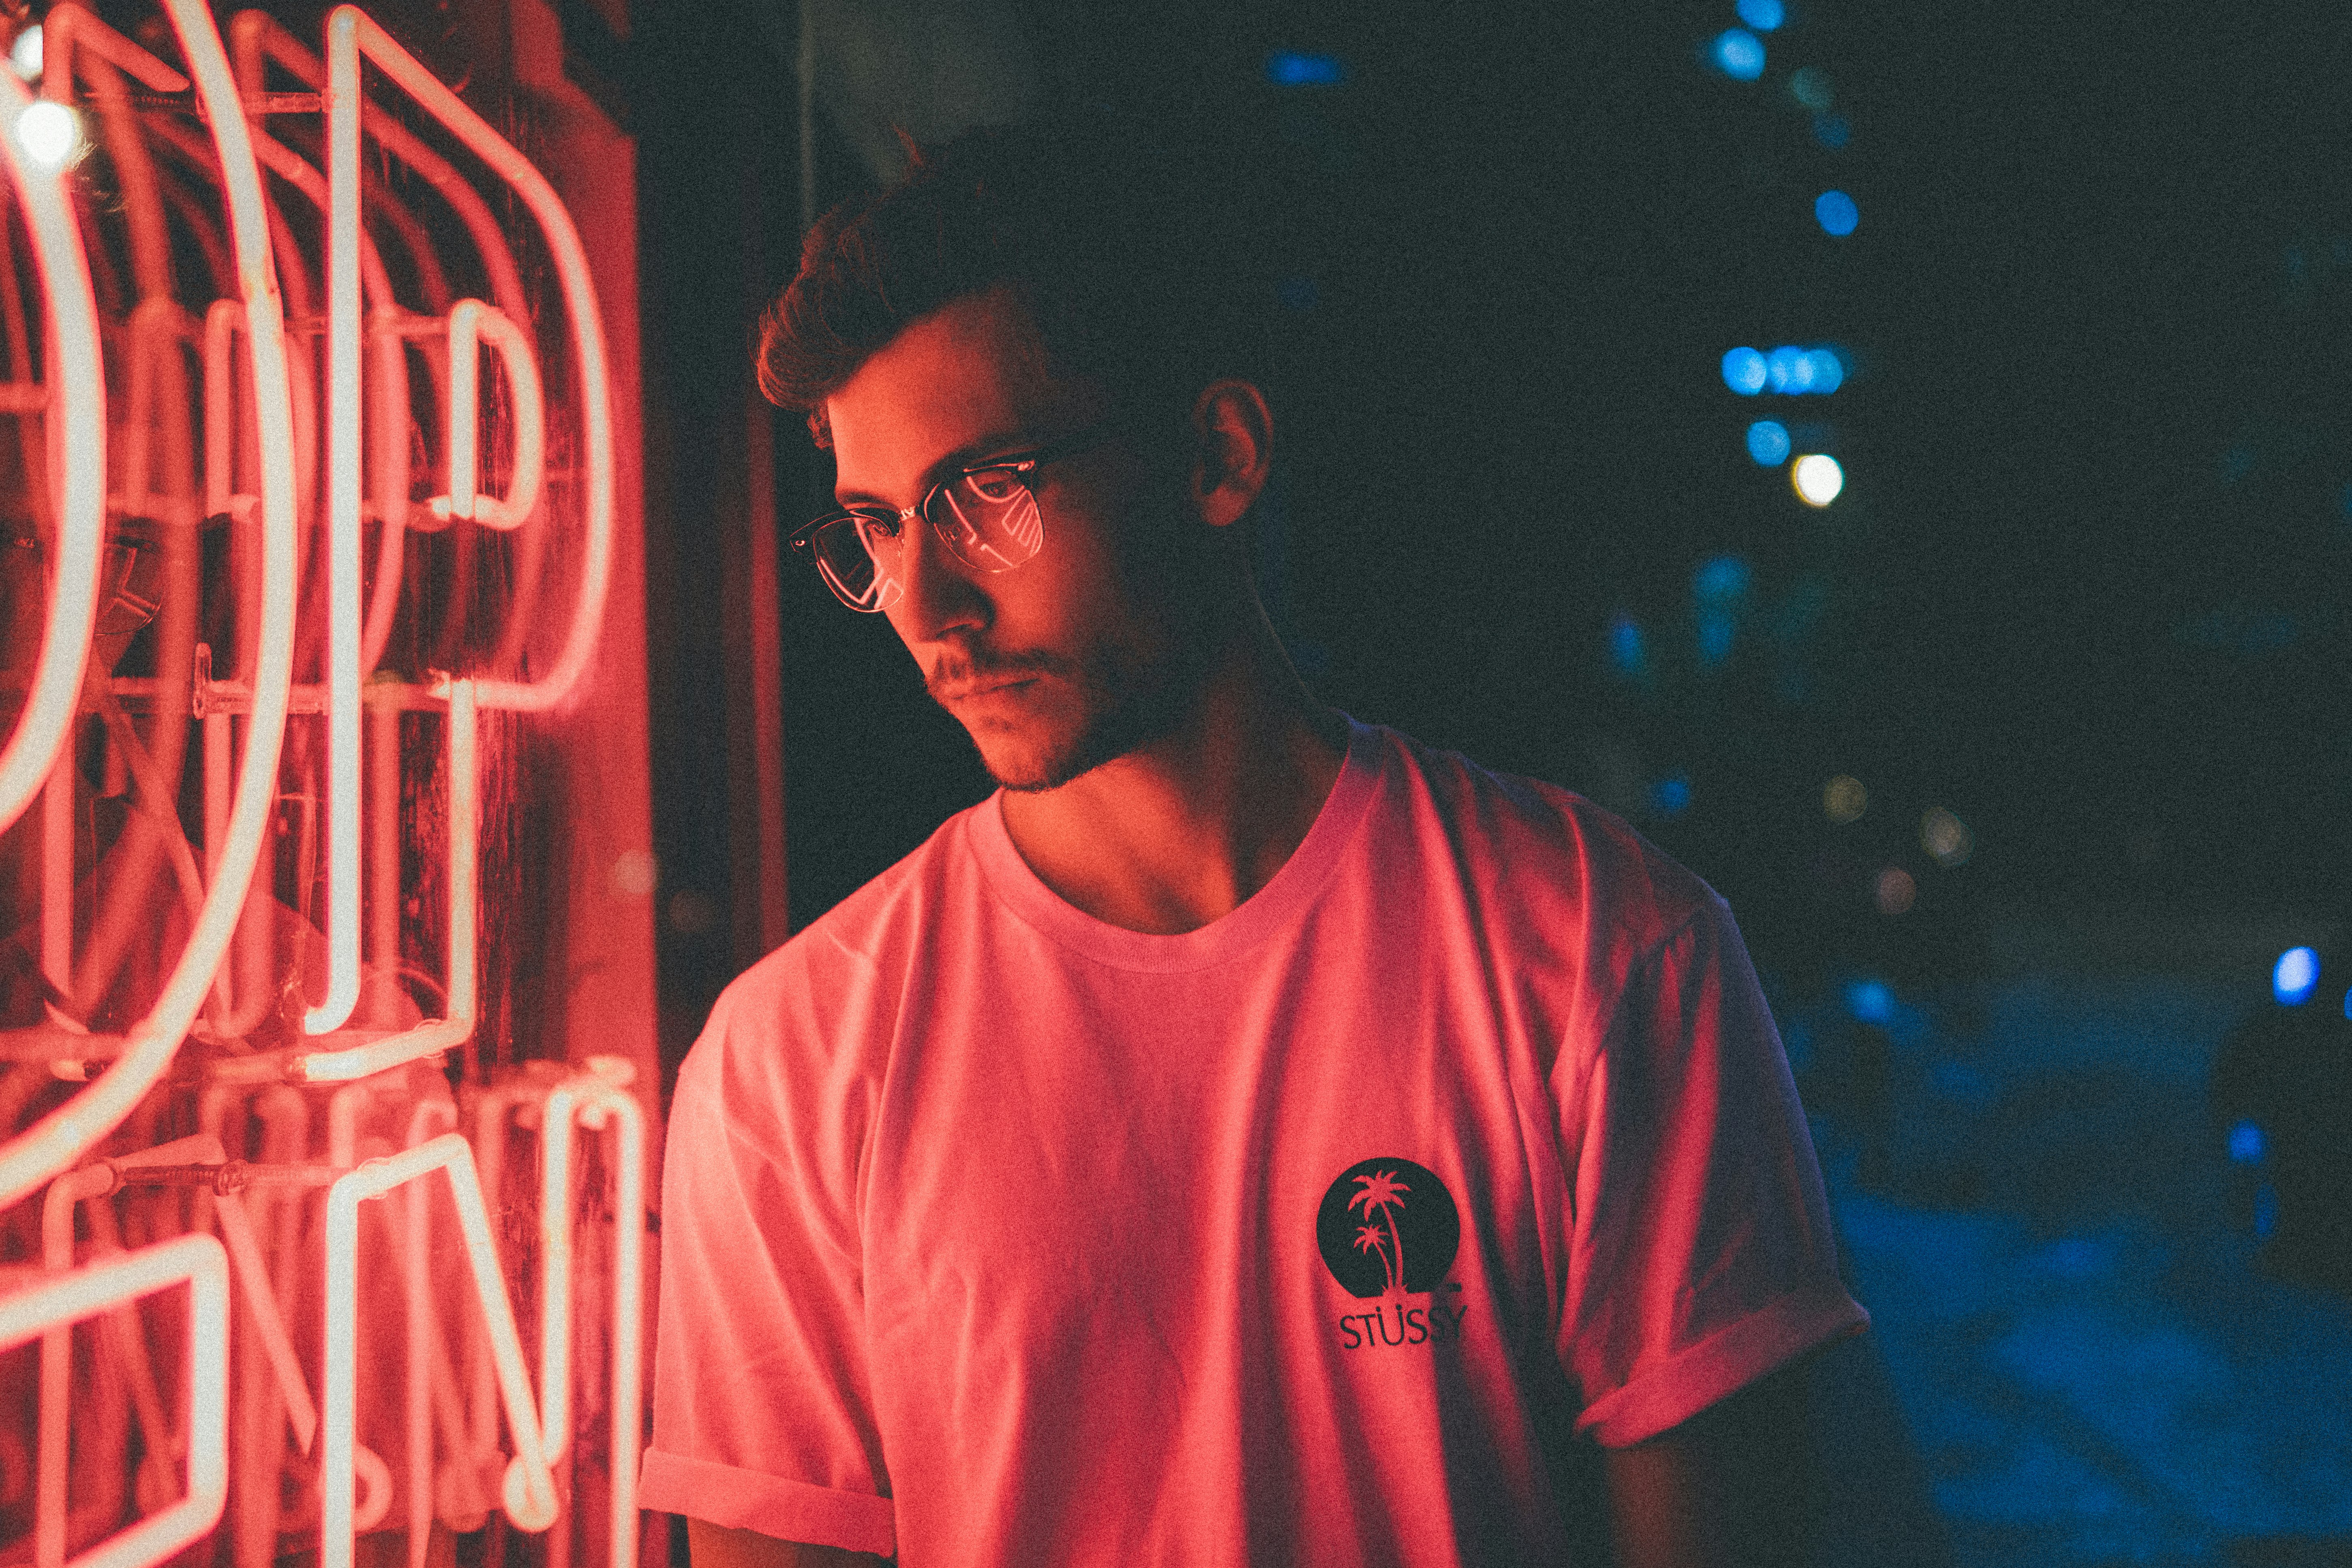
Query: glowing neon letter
(470,322)
(530,1489)
(596,1103)
(53,1142)
(76,423)
(350,33)
(464,901)
(55,1302)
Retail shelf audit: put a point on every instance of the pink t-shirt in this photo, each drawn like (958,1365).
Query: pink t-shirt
(994,1233)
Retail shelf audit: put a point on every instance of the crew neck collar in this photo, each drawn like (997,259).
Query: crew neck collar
(1266,912)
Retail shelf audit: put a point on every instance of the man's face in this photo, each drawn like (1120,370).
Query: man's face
(1071,658)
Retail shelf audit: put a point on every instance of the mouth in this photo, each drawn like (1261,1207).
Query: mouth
(991,689)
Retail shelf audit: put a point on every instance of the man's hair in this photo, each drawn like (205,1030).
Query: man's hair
(1134,268)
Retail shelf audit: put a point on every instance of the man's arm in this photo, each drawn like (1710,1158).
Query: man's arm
(716,1546)
(1733,1487)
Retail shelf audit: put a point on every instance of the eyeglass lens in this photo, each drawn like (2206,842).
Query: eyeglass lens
(988,521)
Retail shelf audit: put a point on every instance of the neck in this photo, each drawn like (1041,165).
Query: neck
(1184,829)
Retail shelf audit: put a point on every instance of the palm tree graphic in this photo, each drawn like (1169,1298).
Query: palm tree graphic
(1369,1239)
(1383,1193)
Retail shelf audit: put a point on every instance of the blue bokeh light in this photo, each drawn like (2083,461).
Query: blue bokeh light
(1767,442)
(1671,796)
(1745,371)
(2265,1210)
(2294,977)
(1291,68)
(1763,15)
(1719,578)
(1870,1001)
(1718,586)
(1626,644)
(2247,1144)
(1789,370)
(1836,213)
(1832,131)
(1740,54)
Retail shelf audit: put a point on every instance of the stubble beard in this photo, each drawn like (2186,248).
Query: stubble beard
(1116,699)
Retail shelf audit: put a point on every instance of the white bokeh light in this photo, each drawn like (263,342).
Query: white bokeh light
(1818,478)
(1946,836)
(48,133)
(1844,798)
(25,54)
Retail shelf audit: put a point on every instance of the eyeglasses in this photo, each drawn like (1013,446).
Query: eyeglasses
(986,516)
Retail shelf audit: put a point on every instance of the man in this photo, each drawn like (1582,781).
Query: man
(1248,1137)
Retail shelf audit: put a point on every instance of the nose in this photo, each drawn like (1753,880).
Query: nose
(937,594)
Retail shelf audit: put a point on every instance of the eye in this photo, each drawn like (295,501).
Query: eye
(876,526)
(995,485)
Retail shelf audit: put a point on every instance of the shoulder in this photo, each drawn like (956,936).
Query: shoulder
(822,1007)
(1535,853)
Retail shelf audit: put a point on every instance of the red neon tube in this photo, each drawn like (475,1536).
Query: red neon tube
(350,34)
(77,405)
(54,1141)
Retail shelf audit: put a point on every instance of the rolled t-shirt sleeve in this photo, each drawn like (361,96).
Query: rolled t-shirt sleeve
(762,1413)
(1700,1254)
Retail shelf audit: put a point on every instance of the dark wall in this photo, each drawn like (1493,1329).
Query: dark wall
(2085,588)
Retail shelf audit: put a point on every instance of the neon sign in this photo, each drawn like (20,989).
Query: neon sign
(281,329)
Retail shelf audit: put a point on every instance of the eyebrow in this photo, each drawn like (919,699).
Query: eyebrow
(997,442)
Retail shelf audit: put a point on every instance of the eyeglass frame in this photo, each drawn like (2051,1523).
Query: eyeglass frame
(1024,465)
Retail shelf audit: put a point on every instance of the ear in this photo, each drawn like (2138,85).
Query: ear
(1232,432)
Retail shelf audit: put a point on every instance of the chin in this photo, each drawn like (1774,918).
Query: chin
(1062,730)
(1043,751)
(1028,765)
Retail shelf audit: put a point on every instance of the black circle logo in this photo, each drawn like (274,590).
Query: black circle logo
(1388,1227)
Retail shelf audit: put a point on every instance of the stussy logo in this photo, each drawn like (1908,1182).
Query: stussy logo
(1388,1230)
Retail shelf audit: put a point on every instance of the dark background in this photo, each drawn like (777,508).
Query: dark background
(2084,590)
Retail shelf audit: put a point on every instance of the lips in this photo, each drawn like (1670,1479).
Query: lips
(959,678)
(992,689)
